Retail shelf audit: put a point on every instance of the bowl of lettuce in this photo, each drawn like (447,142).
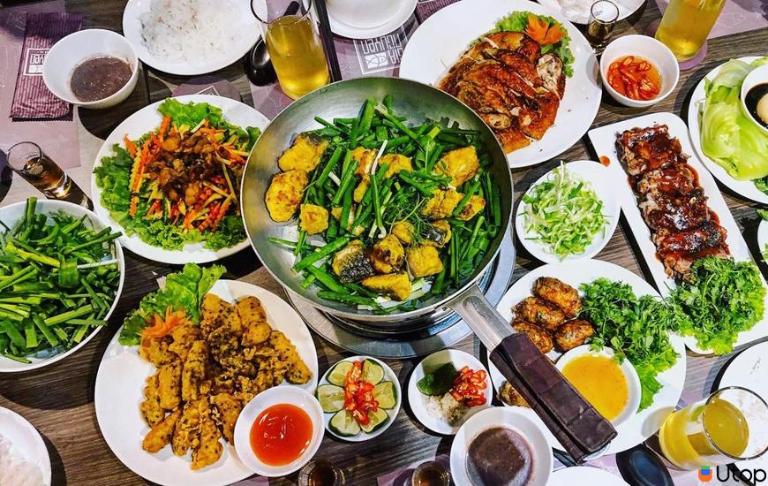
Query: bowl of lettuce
(168,222)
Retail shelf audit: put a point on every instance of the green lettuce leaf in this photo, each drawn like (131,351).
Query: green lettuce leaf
(518,21)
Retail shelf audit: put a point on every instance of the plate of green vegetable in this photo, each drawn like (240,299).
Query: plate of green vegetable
(168,177)
(568,214)
(61,275)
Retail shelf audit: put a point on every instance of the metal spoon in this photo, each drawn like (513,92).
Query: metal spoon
(258,65)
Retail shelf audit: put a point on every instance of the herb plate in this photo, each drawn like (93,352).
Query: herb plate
(646,422)
(604,141)
(146,120)
(595,177)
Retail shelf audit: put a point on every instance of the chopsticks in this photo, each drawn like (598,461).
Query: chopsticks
(327,36)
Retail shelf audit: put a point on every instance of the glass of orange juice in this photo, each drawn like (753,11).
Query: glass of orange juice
(294,45)
(686,24)
(729,425)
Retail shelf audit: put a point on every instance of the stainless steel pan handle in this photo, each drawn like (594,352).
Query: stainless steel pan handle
(573,421)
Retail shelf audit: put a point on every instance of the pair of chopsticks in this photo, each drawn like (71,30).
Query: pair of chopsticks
(327,36)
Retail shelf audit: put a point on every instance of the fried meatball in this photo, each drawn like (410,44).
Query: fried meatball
(540,312)
(539,336)
(573,333)
(510,396)
(558,293)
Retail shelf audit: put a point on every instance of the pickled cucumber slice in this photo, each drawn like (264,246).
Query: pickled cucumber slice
(344,424)
(373,373)
(385,394)
(339,373)
(376,420)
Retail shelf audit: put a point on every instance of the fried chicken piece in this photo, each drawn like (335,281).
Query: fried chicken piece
(160,434)
(515,41)
(183,337)
(187,431)
(572,334)
(284,194)
(539,312)
(304,154)
(558,293)
(209,449)
(226,410)
(157,352)
(549,68)
(193,371)
(150,407)
(254,320)
(298,372)
(510,396)
(459,164)
(537,335)
(539,113)
(169,385)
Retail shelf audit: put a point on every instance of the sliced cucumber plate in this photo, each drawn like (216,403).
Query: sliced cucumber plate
(338,374)
(384,393)
(373,373)
(331,398)
(344,424)
(375,420)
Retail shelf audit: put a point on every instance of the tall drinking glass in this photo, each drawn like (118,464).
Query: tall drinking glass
(686,24)
(729,425)
(294,46)
(29,161)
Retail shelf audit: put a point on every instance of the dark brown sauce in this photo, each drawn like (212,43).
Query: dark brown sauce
(99,78)
(752,100)
(499,457)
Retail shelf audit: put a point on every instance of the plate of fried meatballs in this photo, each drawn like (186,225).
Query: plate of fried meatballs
(168,408)
(546,305)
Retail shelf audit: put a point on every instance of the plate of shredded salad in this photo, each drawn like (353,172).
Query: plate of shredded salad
(568,214)
(168,178)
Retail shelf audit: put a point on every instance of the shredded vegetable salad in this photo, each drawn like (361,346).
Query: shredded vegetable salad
(563,213)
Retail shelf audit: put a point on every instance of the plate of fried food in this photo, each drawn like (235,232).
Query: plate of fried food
(561,306)
(527,72)
(173,381)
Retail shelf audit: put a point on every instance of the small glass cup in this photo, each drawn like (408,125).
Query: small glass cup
(29,161)
(294,46)
(430,473)
(320,472)
(729,425)
(603,17)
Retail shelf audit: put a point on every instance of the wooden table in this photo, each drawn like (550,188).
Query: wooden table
(58,400)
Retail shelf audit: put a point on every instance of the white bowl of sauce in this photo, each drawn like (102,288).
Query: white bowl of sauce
(93,68)
(612,387)
(279,431)
(754,96)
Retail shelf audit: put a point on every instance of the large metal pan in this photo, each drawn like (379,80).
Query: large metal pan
(578,426)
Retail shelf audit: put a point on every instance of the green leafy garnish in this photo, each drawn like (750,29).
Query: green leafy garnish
(439,381)
(518,22)
(182,291)
(563,213)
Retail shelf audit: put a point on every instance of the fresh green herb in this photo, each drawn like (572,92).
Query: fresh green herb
(437,382)
(519,21)
(563,213)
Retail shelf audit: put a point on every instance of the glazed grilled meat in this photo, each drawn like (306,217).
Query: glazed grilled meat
(670,199)
(513,88)
(540,312)
(558,293)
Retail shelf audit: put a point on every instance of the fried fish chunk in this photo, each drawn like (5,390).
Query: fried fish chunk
(559,293)
(169,385)
(226,410)
(187,431)
(254,320)
(194,370)
(214,311)
(284,194)
(160,434)
(183,337)
(305,153)
(209,448)
(460,165)
(156,352)
(298,370)
(150,407)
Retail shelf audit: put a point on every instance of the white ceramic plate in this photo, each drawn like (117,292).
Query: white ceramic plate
(604,141)
(418,401)
(626,8)
(762,235)
(248,33)
(745,189)
(592,476)
(430,53)
(120,386)
(9,215)
(345,29)
(146,120)
(595,175)
(389,375)
(749,369)
(520,420)
(26,441)
(646,422)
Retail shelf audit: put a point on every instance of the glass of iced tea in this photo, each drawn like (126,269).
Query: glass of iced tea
(686,24)
(29,161)
(294,45)
(603,16)
(729,425)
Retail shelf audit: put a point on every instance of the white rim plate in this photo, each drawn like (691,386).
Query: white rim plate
(26,441)
(430,53)
(120,386)
(146,120)
(351,31)
(646,422)
(585,475)
(762,235)
(745,189)
(389,375)
(604,141)
(247,26)
(749,369)
(9,215)
(595,175)
(626,8)
(417,400)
